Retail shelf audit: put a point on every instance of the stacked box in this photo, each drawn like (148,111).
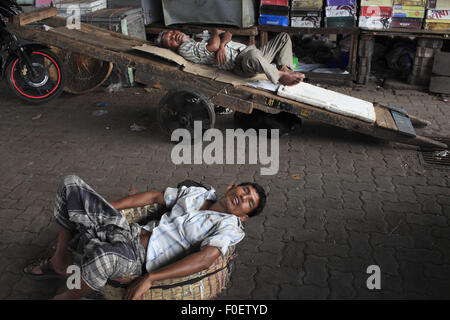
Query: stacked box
(438,15)
(306,13)
(152,8)
(274,12)
(375,14)
(408,14)
(340,13)
(68,8)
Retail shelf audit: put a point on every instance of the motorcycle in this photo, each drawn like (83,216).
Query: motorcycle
(32,71)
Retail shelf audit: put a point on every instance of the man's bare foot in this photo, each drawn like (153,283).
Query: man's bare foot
(43,266)
(288,79)
(283,68)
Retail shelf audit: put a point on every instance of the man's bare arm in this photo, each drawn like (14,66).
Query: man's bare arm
(214,41)
(193,263)
(139,200)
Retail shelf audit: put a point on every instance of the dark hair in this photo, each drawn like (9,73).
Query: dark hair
(262,197)
(159,39)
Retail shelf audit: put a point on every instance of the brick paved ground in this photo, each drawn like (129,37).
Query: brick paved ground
(356,202)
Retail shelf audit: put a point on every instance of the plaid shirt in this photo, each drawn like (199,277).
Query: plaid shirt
(185,226)
(196,52)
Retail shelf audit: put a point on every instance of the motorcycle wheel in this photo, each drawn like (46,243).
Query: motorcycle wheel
(45,85)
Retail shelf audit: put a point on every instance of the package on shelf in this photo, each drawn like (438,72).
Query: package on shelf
(381,3)
(67,7)
(439,25)
(341,3)
(152,8)
(272,10)
(438,14)
(340,11)
(376,11)
(275,2)
(301,4)
(26,2)
(273,20)
(400,11)
(372,22)
(418,3)
(305,22)
(438,4)
(306,13)
(340,22)
(406,23)
(44,3)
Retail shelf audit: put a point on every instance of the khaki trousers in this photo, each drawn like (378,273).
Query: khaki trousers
(252,61)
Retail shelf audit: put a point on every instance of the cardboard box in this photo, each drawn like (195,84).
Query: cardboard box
(439,25)
(438,4)
(408,11)
(65,7)
(305,22)
(420,3)
(381,3)
(22,2)
(152,8)
(376,11)
(340,11)
(341,3)
(406,23)
(274,10)
(273,20)
(438,14)
(306,13)
(275,2)
(300,4)
(340,22)
(376,23)
(44,3)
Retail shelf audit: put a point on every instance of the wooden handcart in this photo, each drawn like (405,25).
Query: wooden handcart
(391,123)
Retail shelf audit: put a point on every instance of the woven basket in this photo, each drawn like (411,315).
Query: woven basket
(204,285)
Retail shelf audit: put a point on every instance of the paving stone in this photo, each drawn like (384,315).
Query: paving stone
(341,285)
(316,271)
(290,292)
(427,219)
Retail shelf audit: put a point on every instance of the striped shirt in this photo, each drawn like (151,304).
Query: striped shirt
(196,52)
(186,226)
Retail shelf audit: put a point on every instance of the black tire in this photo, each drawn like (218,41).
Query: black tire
(180,108)
(50,88)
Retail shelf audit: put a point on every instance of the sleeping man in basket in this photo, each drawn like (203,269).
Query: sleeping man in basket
(218,50)
(112,248)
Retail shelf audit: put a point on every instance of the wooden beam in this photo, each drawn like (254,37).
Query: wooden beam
(30,17)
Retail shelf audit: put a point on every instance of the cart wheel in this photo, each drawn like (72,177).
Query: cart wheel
(181,108)
(84,74)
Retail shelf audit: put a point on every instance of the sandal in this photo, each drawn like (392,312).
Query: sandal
(47,270)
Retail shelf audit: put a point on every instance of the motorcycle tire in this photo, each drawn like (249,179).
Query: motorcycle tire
(46,85)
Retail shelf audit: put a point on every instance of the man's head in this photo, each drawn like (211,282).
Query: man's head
(171,39)
(244,200)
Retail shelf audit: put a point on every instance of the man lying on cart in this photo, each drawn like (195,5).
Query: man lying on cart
(218,50)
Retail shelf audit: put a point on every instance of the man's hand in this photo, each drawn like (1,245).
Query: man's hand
(137,288)
(221,56)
